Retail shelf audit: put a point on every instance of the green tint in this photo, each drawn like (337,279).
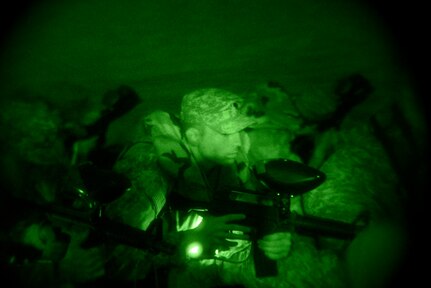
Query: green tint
(32,236)
(194,250)
(65,51)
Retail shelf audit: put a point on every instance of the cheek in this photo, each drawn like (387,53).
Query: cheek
(213,147)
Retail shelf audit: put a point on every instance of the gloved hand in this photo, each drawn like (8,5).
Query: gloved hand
(216,229)
(276,246)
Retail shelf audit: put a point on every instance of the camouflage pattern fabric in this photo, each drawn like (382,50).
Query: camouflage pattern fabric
(217,108)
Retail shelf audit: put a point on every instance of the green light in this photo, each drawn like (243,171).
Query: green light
(194,250)
(80,191)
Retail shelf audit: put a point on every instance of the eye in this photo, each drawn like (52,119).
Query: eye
(235,105)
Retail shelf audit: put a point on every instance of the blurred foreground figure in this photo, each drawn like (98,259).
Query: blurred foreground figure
(306,123)
(35,171)
(56,178)
(363,180)
(38,251)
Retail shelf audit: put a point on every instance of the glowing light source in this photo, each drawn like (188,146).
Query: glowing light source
(194,250)
(80,191)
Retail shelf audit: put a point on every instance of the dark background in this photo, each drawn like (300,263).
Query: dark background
(66,50)
(164,48)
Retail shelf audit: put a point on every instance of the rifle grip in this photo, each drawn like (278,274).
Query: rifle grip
(264,266)
(266,224)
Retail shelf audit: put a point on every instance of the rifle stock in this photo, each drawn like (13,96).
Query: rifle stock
(103,229)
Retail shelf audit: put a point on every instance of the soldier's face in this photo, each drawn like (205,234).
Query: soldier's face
(219,148)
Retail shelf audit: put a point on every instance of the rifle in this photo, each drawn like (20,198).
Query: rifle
(82,202)
(102,228)
(268,210)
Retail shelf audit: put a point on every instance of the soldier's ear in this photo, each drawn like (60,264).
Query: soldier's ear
(193,136)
